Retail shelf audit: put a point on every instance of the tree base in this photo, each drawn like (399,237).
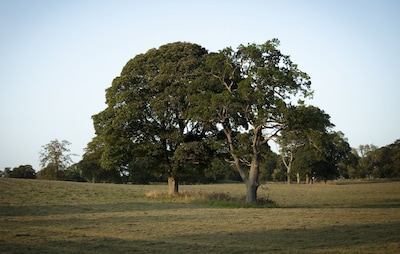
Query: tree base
(172,186)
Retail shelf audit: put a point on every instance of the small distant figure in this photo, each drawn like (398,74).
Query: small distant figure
(313,178)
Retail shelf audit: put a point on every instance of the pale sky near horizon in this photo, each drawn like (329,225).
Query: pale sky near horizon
(58,57)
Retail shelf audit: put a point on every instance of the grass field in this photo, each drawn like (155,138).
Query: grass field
(66,217)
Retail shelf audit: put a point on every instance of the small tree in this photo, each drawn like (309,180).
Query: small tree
(305,125)
(322,157)
(7,171)
(367,155)
(54,159)
(90,164)
(74,173)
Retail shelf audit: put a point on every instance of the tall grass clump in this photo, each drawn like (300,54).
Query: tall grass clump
(219,199)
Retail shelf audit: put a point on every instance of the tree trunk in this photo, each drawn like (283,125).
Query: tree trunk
(172,186)
(288,166)
(252,182)
(251,194)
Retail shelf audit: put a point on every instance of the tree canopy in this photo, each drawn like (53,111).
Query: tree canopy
(147,113)
(248,94)
(309,146)
(181,112)
(180,96)
(54,159)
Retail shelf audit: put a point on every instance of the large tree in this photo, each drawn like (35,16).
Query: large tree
(247,94)
(147,110)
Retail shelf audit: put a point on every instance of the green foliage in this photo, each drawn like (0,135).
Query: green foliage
(181,112)
(168,104)
(90,165)
(302,142)
(74,173)
(308,146)
(387,164)
(305,122)
(279,174)
(367,155)
(374,162)
(347,168)
(322,160)
(23,171)
(51,172)
(247,95)
(147,114)
(54,159)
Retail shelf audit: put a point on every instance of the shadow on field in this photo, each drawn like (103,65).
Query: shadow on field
(45,210)
(372,238)
(332,238)
(94,245)
(384,203)
(387,203)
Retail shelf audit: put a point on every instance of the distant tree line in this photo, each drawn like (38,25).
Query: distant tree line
(369,161)
(364,162)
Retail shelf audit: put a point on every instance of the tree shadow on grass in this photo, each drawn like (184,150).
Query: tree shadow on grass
(341,238)
(383,203)
(371,238)
(45,210)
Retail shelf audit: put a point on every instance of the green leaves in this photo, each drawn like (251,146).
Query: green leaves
(149,106)
(54,158)
(181,90)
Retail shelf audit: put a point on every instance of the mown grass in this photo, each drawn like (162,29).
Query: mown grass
(65,217)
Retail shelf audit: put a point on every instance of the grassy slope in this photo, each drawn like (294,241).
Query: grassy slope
(64,217)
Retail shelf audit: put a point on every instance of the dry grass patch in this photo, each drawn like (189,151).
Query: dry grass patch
(223,199)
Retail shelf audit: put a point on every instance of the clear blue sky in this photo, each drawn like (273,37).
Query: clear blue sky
(58,57)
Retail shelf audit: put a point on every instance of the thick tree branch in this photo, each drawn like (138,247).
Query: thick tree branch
(236,161)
